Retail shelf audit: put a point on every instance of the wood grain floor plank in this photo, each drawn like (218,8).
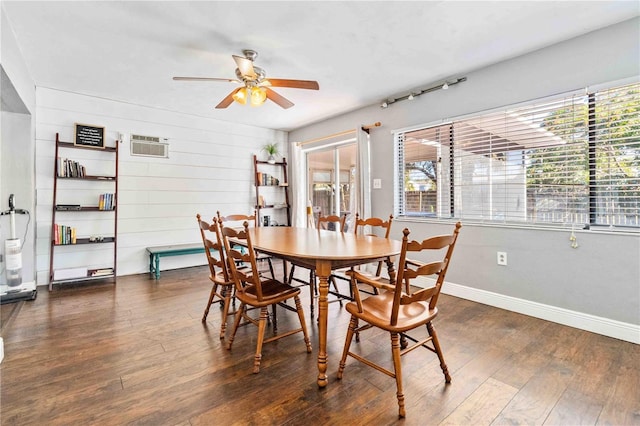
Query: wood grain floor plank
(574,408)
(483,405)
(535,400)
(137,353)
(623,406)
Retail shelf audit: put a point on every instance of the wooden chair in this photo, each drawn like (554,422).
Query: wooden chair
(323,222)
(236,220)
(222,287)
(253,290)
(398,311)
(331,221)
(365,227)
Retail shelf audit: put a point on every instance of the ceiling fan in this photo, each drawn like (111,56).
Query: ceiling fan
(256,88)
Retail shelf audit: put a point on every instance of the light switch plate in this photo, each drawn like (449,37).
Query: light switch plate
(377,184)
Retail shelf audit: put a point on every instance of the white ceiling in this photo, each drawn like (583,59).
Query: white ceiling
(359,52)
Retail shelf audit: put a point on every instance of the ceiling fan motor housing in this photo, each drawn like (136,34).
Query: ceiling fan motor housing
(250,54)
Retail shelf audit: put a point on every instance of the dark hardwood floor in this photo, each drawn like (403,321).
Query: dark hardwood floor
(137,353)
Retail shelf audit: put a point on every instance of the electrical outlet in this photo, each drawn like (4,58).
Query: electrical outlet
(502,258)
(377,184)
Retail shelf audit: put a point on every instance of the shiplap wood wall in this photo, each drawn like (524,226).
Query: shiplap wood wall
(210,168)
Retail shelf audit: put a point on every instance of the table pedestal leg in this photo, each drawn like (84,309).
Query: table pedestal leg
(323,270)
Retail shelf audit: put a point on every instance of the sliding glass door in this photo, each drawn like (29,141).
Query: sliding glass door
(331,178)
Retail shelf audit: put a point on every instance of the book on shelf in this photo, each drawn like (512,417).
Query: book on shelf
(68,207)
(100,272)
(63,235)
(69,168)
(106,201)
(265,179)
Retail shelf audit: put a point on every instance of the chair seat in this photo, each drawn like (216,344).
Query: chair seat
(377,311)
(219,279)
(272,292)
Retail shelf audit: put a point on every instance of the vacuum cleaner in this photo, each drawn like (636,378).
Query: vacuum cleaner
(14,289)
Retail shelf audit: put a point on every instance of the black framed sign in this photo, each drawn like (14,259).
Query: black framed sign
(89,136)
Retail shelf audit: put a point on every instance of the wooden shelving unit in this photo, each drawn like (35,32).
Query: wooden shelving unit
(57,249)
(268,175)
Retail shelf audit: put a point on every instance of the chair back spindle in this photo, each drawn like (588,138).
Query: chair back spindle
(219,275)
(244,278)
(213,247)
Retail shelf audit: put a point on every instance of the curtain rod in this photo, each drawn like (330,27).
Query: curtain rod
(346,132)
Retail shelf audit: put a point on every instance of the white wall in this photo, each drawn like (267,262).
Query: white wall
(17,144)
(598,283)
(210,168)
(14,64)
(16,177)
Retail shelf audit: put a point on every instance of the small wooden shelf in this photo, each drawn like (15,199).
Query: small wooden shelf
(71,145)
(84,209)
(81,241)
(277,171)
(98,178)
(111,154)
(282,185)
(271,206)
(82,279)
(277,163)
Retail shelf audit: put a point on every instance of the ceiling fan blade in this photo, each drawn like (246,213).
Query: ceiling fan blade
(297,84)
(279,99)
(228,100)
(245,66)
(230,80)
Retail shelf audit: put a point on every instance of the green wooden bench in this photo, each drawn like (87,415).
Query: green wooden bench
(155,253)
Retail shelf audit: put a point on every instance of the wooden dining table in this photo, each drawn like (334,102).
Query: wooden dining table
(323,251)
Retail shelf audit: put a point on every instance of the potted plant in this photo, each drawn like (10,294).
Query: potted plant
(272,150)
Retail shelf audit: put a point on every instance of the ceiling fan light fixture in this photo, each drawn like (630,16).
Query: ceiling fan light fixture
(258,96)
(241,96)
(256,88)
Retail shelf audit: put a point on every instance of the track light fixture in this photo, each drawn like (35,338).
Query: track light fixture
(412,95)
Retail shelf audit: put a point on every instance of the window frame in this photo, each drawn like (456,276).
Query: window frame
(590,93)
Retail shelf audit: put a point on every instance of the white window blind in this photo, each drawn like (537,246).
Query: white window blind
(525,164)
(573,159)
(425,187)
(614,159)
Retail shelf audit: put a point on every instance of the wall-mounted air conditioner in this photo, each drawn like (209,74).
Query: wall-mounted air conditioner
(149,146)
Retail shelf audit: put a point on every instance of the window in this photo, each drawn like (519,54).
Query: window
(330,191)
(570,160)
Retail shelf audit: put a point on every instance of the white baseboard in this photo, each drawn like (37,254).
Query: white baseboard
(605,326)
